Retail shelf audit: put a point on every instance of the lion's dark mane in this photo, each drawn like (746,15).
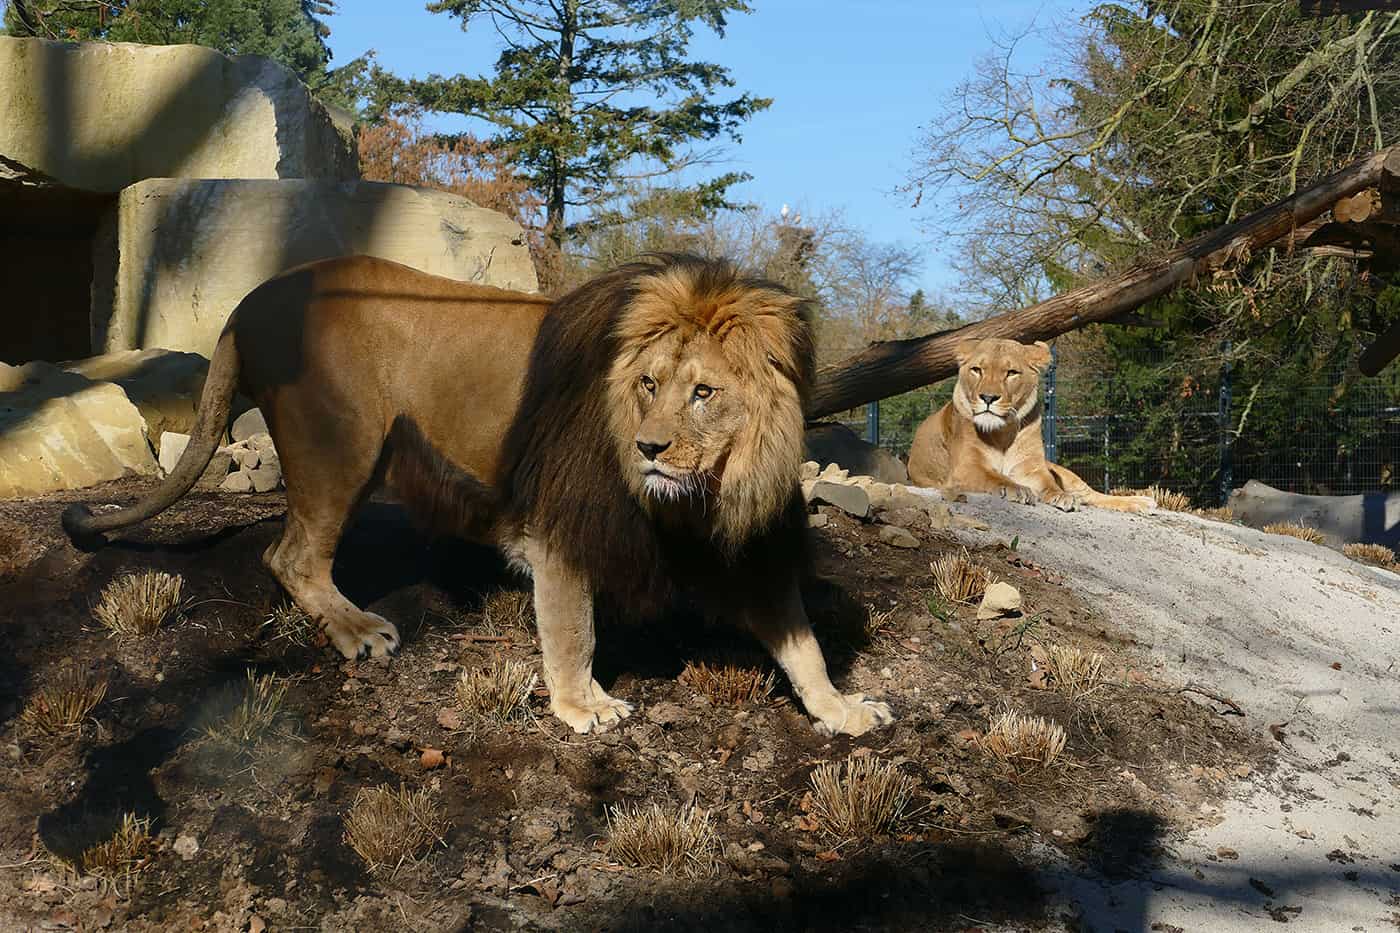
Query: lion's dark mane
(563,481)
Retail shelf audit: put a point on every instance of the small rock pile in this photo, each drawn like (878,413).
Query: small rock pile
(899,510)
(256,466)
(248,464)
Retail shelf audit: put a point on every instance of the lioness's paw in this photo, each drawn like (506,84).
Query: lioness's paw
(356,634)
(1065,502)
(598,715)
(1139,504)
(1020,494)
(856,717)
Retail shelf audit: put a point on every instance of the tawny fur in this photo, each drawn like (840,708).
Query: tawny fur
(987,438)
(639,439)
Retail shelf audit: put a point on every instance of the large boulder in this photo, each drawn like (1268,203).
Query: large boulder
(61,430)
(175,256)
(164,385)
(99,116)
(831,442)
(1372,517)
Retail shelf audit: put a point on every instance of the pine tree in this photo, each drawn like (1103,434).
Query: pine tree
(591,94)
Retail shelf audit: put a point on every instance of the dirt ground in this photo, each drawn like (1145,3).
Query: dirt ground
(260,830)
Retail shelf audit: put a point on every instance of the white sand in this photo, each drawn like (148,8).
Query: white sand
(1261,619)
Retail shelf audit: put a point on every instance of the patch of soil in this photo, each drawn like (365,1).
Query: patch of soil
(261,829)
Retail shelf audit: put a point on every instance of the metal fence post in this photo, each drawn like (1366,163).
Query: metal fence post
(1227,447)
(872,423)
(1049,429)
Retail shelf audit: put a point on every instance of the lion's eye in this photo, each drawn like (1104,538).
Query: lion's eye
(977,370)
(1013,372)
(648,383)
(703,391)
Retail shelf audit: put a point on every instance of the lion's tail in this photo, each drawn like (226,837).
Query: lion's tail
(83,525)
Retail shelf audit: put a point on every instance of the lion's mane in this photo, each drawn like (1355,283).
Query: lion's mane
(566,480)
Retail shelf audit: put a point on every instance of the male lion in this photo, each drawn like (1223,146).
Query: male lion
(987,439)
(638,438)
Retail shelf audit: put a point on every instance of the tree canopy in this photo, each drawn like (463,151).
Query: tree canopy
(589,95)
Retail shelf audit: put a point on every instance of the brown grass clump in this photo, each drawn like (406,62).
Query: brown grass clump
(138,603)
(1377,554)
(508,609)
(728,684)
(1219,514)
(121,858)
(499,692)
(255,714)
(388,827)
(1294,530)
(1024,742)
(860,797)
(63,703)
(290,623)
(672,842)
(958,579)
(1073,671)
(1165,498)
(879,624)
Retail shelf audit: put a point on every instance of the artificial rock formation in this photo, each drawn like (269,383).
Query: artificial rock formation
(175,256)
(99,116)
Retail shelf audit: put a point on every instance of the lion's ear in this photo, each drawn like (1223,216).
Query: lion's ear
(965,347)
(1038,354)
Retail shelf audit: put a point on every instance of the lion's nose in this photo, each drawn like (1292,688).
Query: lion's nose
(989,399)
(650,450)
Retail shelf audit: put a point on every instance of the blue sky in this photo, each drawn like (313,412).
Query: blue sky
(851,83)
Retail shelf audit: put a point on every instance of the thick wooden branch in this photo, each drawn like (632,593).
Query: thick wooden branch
(886,369)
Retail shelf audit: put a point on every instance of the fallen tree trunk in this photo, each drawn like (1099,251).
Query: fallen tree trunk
(892,367)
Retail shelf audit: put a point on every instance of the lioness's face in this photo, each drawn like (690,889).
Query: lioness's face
(692,406)
(998,381)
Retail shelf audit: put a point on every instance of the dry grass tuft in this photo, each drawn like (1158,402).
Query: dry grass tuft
(63,703)
(1165,498)
(1294,530)
(958,579)
(1219,514)
(499,692)
(255,714)
(1073,671)
(508,609)
(1377,554)
(879,624)
(673,843)
(860,797)
(290,623)
(388,827)
(121,858)
(1024,742)
(138,603)
(728,684)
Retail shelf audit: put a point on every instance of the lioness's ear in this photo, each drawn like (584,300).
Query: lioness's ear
(1038,354)
(965,347)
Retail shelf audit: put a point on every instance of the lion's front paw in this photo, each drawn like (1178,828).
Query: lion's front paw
(1024,495)
(856,716)
(355,633)
(1065,502)
(596,715)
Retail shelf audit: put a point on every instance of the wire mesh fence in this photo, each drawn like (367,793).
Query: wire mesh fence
(1198,429)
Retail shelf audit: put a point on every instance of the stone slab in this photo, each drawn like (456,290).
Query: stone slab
(174,256)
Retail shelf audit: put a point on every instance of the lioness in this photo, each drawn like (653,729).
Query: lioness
(639,437)
(987,438)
